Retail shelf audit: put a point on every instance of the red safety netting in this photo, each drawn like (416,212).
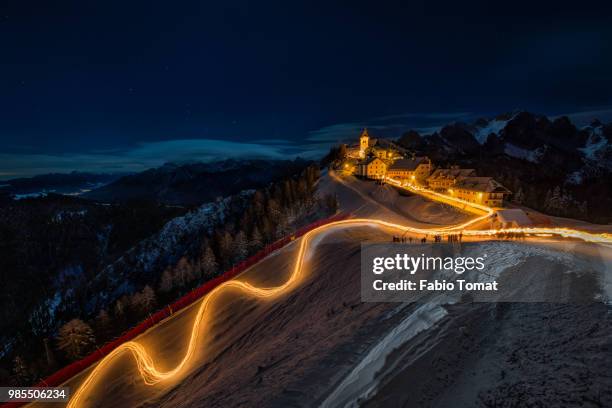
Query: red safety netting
(64,374)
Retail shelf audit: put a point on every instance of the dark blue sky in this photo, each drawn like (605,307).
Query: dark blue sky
(127,85)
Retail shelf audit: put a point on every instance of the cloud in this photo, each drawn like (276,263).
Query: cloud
(280,142)
(433,116)
(336,133)
(345,132)
(204,150)
(388,126)
(152,154)
(583,118)
(146,155)
(429,129)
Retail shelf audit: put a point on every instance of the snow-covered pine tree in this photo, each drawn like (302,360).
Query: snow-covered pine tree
(282,228)
(166,283)
(554,203)
(258,203)
(49,353)
(120,308)
(288,193)
(274,211)
(75,338)
(241,249)
(21,370)
(148,297)
(519,197)
(256,241)
(547,199)
(268,229)
(183,272)
(103,325)
(143,302)
(208,262)
(565,201)
(226,246)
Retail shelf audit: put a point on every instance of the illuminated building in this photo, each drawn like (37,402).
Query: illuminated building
(364,143)
(443,179)
(510,218)
(413,170)
(479,190)
(361,149)
(372,168)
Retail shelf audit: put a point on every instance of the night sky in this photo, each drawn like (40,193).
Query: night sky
(122,86)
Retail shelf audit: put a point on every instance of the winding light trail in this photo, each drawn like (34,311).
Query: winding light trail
(152,375)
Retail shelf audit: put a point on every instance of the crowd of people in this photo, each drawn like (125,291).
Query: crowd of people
(510,235)
(451,238)
(456,238)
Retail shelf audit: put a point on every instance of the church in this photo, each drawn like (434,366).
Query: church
(382,159)
(360,150)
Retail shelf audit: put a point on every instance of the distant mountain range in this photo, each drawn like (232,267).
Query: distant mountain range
(195,183)
(74,183)
(172,184)
(550,165)
(535,155)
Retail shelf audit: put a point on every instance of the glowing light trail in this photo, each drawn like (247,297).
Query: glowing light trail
(152,375)
(144,361)
(604,238)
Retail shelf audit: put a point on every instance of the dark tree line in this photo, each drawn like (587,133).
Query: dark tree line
(335,155)
(48,247)
(267,215)
(270,214)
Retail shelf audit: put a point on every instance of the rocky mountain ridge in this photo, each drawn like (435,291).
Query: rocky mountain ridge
(195,183)
(533,154)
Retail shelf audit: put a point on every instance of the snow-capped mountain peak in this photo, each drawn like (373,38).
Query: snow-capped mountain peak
(597,144)
(483,127)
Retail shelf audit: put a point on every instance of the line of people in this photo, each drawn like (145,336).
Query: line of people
(451,238)
(408,239)
(457,238)
(510,235)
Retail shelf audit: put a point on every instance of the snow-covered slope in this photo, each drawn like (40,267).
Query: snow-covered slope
(525,154)
(169,242)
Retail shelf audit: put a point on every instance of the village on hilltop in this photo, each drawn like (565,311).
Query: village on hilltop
(382,159)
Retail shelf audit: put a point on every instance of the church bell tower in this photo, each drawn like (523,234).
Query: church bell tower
(364,142)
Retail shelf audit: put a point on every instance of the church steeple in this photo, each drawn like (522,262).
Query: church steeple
(364,142)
